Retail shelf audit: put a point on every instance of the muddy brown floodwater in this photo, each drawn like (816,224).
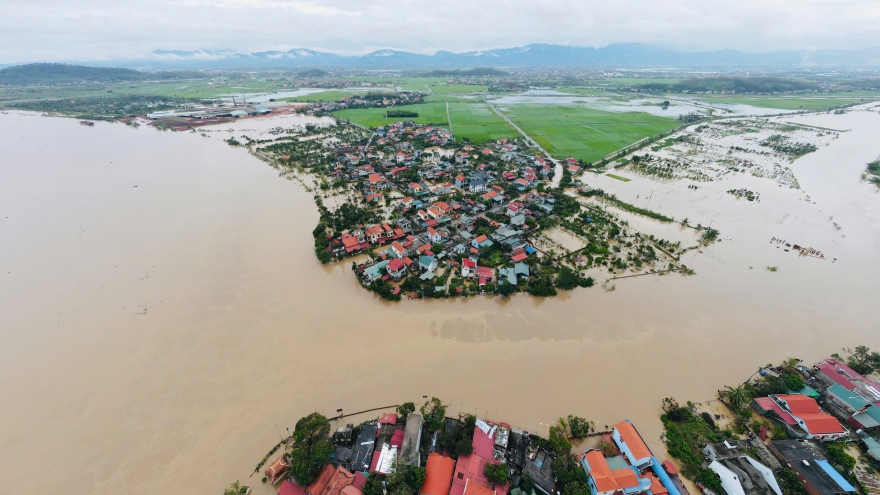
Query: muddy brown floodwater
(162,311)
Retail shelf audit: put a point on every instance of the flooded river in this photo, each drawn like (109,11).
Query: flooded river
(163,316)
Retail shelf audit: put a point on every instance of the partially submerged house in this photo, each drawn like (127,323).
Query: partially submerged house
(277,470)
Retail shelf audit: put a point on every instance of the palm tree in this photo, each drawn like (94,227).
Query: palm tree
(736,396)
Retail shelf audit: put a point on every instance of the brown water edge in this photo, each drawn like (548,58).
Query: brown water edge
(154,337)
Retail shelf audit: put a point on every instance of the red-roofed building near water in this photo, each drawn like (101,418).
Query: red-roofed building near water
(331,481)
(469,477)
(802,416)
(631,444)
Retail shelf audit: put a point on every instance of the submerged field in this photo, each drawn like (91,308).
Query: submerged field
(799,102)
(584,133)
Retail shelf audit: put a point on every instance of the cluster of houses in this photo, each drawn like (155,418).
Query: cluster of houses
(379,100)
(850,399)
(624,465)
(385,444)
(442,192)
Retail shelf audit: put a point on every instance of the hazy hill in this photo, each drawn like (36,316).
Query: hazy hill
(479,71)
(533,55)
(30,74)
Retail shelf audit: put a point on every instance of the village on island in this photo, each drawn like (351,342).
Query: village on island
(424,215)
(788,430)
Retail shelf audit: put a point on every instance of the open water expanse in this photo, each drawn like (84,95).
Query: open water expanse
(162,311)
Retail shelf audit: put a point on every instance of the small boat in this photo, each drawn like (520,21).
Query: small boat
(87,122)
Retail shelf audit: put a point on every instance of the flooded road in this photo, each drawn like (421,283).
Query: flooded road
(163,315)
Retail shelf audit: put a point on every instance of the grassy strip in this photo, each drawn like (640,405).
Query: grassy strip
(624,179)
(631,208)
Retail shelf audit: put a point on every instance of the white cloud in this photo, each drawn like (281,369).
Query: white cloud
(106,29)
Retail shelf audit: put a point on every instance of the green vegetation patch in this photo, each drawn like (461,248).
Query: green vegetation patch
(624,179)
(428,113)
(584,133)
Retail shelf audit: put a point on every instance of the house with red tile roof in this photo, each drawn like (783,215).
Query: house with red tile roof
(396,268)
(277,470)
(467,267)
(802,416)
(331,481)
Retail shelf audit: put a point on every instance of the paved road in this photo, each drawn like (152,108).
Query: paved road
(448,118)
(557,176)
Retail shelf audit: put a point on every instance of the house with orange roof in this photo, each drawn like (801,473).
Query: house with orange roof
(398,249)
(631,444)
(433,235)
(438,475)
(377,181)
(434,212)
(605,480)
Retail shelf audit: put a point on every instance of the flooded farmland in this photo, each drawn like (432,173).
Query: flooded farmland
(164,317)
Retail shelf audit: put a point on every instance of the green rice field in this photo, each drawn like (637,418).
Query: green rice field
(473,121)
(584,133)
(429,113)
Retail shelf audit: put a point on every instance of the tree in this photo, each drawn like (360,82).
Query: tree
(558,442)
(373,485)
(405,409)
(580,427)
(437,247)
(434,413)
(794,381)
(405,480)
(862,360)
(838,454)
(576,488)
(710,480)
(506,288)
(737,397)
(310,448)
(496,473)
(489,288)
(234,489)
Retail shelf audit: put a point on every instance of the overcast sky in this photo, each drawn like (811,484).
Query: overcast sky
(59,30)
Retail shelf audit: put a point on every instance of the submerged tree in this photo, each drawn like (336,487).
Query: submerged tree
(310,448)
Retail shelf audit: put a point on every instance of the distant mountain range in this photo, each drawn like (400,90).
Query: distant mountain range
(625,55)
(533,55)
